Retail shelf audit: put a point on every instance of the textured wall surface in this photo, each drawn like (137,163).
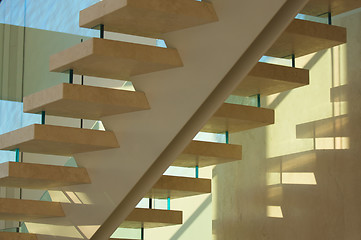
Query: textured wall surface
(300,178)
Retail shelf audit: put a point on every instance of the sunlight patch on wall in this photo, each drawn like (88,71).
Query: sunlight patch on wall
(58,196)
(332,143)
(299,178)
(274,212)
(273,178)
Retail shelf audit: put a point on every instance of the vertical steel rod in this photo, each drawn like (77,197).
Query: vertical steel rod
(101,30)
(142,233)
(197,171)
(150,203)
(259,100)
(168,203)
(43,117)
(17,155)
(71,76)
(293,60)
(329,18)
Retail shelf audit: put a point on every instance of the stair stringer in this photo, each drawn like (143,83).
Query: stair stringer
(181,101)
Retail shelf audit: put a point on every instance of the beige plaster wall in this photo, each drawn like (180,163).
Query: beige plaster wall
(300,178)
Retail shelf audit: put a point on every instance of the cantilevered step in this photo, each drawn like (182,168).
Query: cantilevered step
(57,140)
(266,79)
(235,118)
(152,218)
(147,17)
(87,102)
(305,37)
(203,154)
(114,59)
(40,176)
(27,210)
(179,187)
(335,7)
(17,236)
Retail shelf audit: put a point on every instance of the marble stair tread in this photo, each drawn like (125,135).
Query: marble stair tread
(335,7)
(114,59)
(86,102)
(305,37)
(234,118)
(179,187)
(266,79)
(40,176)
(149,18)
(27,210)
(57,140)
(17,236)
(152,218)
(203,154)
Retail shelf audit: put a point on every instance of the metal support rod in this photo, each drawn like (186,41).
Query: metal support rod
(17,155)
(329,18)
(71,76)
(168,203)
(142,233)
(150,203)
(227,137)
(197,171)
(293,60)
(43,117)
(259,100)
(101,30)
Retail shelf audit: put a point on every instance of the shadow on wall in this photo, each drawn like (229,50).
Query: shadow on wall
(313,193)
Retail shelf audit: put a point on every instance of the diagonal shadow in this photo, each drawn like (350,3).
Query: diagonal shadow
(192,218)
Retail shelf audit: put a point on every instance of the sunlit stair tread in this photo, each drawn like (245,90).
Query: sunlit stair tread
(320,7)
(114,59)
(17,236)
(40,176)
(57,140)
(147,17)
(151,218)
(266,79)
(179,187)
(203,154)
(27,210)
(304,37)
(80,101)
(235,118)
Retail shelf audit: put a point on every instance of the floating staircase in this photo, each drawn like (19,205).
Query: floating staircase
(122,60)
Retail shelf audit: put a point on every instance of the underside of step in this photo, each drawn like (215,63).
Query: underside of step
(87,102)
(27,210)
(40,176)
(17,236)
(335,7)
(235,118)
(114,59)
(305,37)
(266,79)
(203,154)
(178,187)
(57,140)
(147,17)
(152,218)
